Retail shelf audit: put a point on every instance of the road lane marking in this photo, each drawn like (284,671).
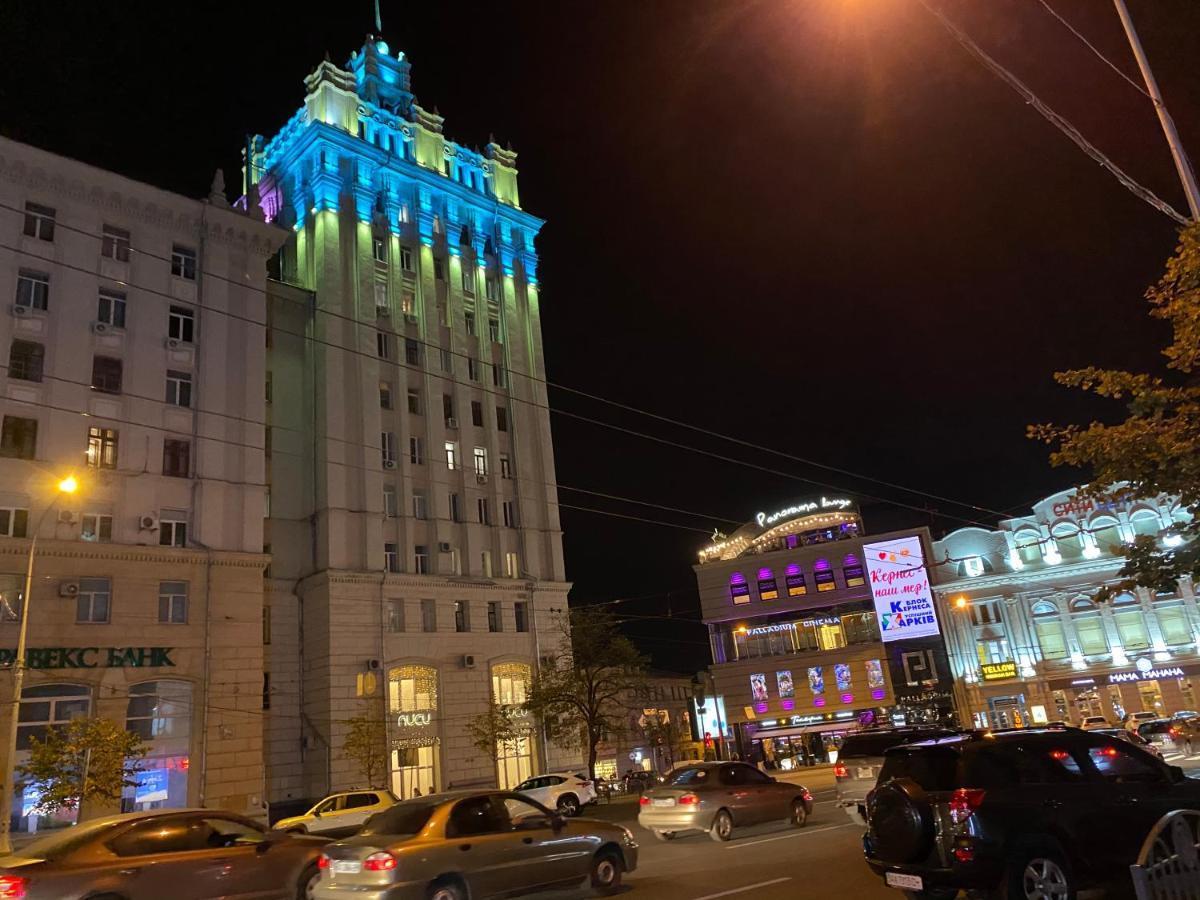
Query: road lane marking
(742,890)
(782,837)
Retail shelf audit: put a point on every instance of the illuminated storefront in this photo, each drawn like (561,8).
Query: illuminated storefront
(515,757)
(415,736)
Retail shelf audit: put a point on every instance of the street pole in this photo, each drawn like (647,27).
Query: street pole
(1186,176)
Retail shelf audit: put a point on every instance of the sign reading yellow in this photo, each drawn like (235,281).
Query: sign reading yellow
(999,671)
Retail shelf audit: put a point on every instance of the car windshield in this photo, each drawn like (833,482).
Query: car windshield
(690,775)
(58,844)
(407,817)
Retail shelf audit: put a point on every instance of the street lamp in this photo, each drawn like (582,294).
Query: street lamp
(67,486)
(960,602)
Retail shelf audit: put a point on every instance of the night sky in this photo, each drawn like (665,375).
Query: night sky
(816,225)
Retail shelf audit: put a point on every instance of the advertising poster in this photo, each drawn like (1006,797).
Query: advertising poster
(784,681)
(900,589)
(816,680)
(842,673)
(758,687)
(874,674)
(151,786)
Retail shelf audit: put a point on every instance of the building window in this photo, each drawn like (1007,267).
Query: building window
(1130,622)
(495,621)
(768,589)
(412,352)
(269,388)
(1145,523)
(383,345)
(852,571)
(110,308)
(14,522)
(521,613)
(494,330)
(102,448)
(158,711)
(509,508)
(39,222)
(485,512)
(462,616)
(391,557)
(414,401)
(33,289)
(408,302)
(512,565)
(26,360)
(439,267)
(181,324)
(96,527)
(485,563)
(472,368)
(18,438)
(1048,627)
(379,250)
(385,395)
(387,449)
(45,705)
(420,505)
(94,600)
(177,458)
(1089,628)
(505,466)
(179,388)
(1029,547)
(986,612)
(406,258)
(1172,621)
(389,501)
(429,616)
(172,529)
(172,602)
(1067,541)
(106,374)
(448,408)
(447,361)
(468,279)
(498,379)
(739,590)
(793,579)
(476,413)
(114,243)
(451,455)
(421,559)
(1106,534)
(469,321)
(501,419)
(993,651)
(381,299)
(183,262)
(452,507)
(823,575)
(395,616)
(481,461)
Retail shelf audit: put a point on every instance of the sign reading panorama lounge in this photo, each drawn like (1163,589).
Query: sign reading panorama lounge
(900,588)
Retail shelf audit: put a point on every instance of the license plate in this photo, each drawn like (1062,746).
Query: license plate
(346,867)
(908,882)
(866,772)
(660,802)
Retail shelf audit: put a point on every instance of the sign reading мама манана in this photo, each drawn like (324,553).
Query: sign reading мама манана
(90,657)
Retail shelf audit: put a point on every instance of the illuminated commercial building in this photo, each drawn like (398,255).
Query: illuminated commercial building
(1028,644)
(817,629)
(417,566)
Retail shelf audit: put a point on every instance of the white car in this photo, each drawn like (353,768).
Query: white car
(567,792)
(1091,723)
(337,812)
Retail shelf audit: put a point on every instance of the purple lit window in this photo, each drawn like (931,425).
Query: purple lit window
(794,579)
(823,576)
(739,591)
(792,541)
(767,589)
(853,570)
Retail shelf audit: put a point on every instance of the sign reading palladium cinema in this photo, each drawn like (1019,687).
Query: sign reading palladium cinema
(900,588)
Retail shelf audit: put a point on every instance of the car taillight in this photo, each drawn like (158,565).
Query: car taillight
(840,771)
(379,862)
(12,887)
(688,800)
(643,800)
(322,861)
(1173,732)
(806,795)
(963,804)
(1059,755)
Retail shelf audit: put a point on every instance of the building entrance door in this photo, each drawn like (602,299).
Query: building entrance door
(414,771)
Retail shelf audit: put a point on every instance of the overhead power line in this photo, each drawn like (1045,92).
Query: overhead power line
(1104,59)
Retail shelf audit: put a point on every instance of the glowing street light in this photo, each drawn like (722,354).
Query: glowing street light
(960,602)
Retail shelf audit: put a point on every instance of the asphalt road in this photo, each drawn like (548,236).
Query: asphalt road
(767,862)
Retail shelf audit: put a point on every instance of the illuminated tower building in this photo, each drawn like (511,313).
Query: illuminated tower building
(417,568)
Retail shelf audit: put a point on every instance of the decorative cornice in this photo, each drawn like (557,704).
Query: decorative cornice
(1042,574)
(133,553)
(428,582)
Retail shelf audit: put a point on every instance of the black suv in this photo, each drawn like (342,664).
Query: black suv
(1029,814)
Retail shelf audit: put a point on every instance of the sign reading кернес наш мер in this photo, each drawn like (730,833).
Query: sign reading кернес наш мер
(89,657)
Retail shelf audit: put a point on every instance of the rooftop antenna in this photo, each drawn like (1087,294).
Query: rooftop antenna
(378,23)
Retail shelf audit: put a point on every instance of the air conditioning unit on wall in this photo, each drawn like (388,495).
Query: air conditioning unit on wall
(444,547)
(68,589)
(148,522)
(468,661)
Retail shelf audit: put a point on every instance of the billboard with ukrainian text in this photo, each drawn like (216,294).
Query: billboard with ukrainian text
(900,588)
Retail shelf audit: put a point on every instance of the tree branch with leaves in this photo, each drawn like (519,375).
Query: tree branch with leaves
(365,745)
(82,762)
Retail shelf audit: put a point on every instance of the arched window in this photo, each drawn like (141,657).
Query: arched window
(1145,522)
(1089,627)
(510,683)
(794,578)
(852,570)
(1130,622)
(160,709)
(823,575)
(1029,546)
(161,713)
(1107,534)
(767,588)
(1068,540)
(1048,627)
(413,689)
(739,591)
(514,757)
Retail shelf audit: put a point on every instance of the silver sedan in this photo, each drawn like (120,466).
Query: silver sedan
(717,796)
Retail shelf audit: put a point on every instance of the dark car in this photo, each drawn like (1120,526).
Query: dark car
(860,759)
(1027,814)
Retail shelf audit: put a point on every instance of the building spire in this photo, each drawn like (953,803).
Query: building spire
(378,22)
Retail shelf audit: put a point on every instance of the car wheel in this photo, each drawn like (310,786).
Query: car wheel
(446,890)
(568,805)
(606,873)
(1041,873)
(722,826)
(799,816)
(307,889)
(663,835)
